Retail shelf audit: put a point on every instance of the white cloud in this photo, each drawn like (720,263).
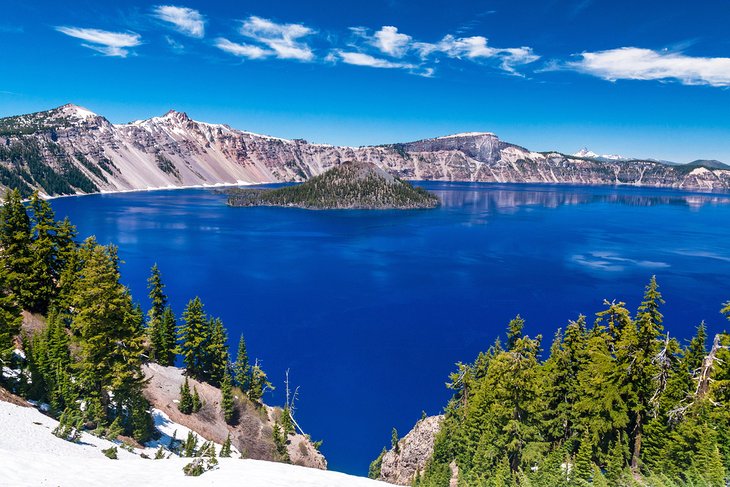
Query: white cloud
(285,40)
(362,59)
(476,47)
(188,21)
(248,51)
(391,42)
(105,42)
(388,40)
(646,64)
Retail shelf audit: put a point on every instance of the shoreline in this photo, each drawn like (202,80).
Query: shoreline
(688,191)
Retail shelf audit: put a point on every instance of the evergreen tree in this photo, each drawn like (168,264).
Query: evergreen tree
(226,448)
(186,399)
(10,320)
(394,441)
(241,368)
(227,398)
(216,352)
(192,335)
(582,469)
(197,403)
(156,332)
(168,338)
(280,442)
(514,331)
(375,466)
(16,257)
(259,383)
(44,270)
(644,368)
(110,342)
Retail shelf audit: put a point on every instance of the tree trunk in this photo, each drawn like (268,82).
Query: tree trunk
(636,456)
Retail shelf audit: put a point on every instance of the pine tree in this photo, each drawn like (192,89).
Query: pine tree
(226,448)
(514,331)
(110,341)
(241,368)
(197,403)
(227,398)
(190,445)
(216,352)
(582,470)
(375,466)
(259,383)
(280,442)
(649,328)
(166,356)
(186,399)
(156,332)
(10,320)
(394,441)
(44,271)
(192,335)
(16,256)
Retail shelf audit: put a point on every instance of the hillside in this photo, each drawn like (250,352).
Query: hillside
(71,150)
(351,185)
(31,455)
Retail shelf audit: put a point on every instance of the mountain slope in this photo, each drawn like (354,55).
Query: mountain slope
(70,150)
(31,455)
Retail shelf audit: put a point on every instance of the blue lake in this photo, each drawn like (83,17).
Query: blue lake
(371,309)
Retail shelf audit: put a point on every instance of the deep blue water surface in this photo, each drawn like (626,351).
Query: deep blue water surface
(371,309)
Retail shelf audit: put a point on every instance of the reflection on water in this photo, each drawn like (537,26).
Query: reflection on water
(498,197)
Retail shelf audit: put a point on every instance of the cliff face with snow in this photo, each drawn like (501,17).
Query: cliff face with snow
(71,150)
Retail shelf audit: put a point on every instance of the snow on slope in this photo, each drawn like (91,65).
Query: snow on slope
(31,456)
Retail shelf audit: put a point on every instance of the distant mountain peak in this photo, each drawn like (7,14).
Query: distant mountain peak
(76,111)
(584,152)
(589,154)
(175,115)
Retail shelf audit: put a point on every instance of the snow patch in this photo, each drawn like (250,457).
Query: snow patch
(31,455)
(466,134)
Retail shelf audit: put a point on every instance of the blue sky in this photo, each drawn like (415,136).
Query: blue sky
(645,79)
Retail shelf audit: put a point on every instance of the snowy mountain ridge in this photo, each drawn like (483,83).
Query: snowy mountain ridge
(71,150)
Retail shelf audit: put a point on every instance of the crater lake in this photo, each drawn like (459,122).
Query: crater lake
(369,310)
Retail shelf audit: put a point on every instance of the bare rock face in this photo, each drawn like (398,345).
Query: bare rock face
(70,150)
(414,450)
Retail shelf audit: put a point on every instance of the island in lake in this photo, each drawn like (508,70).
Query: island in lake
(351,185)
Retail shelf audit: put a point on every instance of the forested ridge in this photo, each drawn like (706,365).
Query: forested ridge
(84,342)
(617,402)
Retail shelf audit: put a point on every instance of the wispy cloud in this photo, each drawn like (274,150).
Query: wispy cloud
(389,41)
(175,45)
(185,20)
(103,41)
(362,59)
(477,47)
(286,41)
(248,51)
(646,64)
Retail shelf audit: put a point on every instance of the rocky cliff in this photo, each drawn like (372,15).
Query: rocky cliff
(402,463)
(70,150)
(251,433)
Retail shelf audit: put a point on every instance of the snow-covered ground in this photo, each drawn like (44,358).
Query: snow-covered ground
(31,456)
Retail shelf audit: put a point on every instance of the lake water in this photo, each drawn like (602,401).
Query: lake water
(371,309)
